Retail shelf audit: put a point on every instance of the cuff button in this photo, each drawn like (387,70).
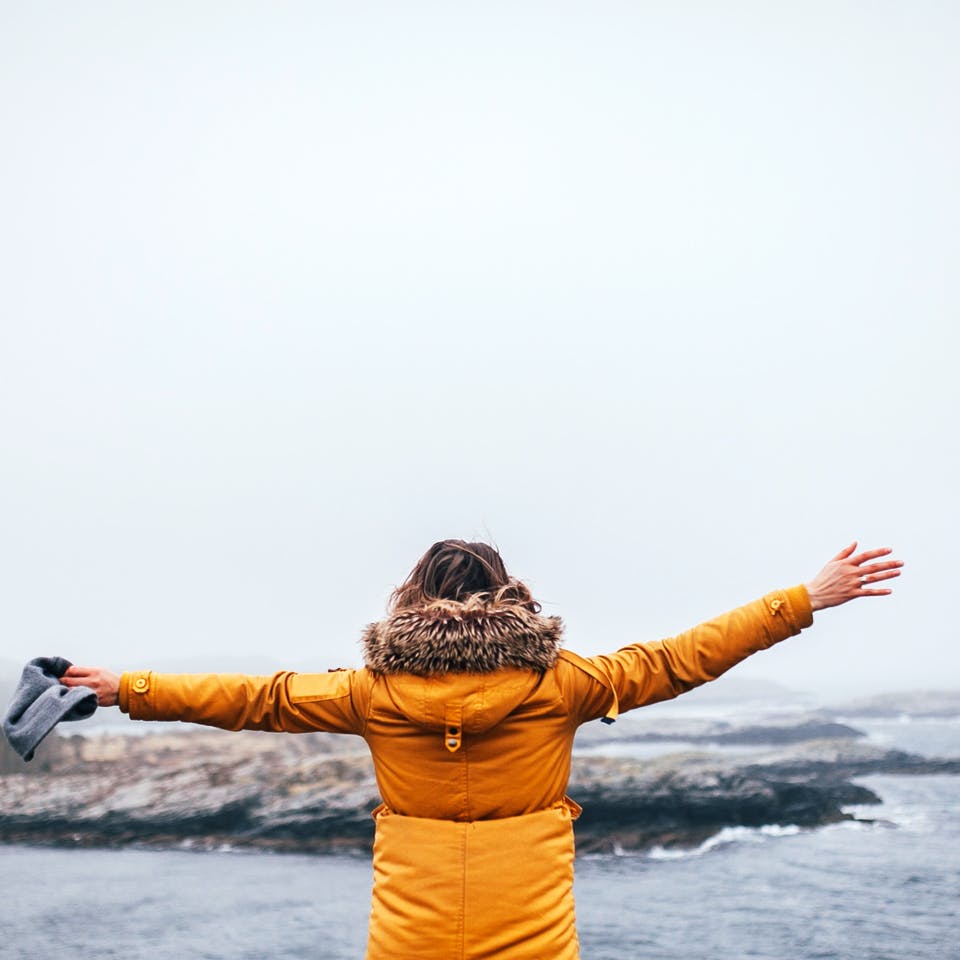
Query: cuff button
(140,684)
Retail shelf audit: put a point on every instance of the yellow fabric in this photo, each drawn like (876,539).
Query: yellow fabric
(511,757)
(474,891)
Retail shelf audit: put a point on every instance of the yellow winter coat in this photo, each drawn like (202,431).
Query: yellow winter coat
(469,711)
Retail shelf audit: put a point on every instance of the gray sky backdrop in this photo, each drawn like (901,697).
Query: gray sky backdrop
(660,297)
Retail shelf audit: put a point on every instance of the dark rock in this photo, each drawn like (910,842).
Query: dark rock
(685,798)
(311,793)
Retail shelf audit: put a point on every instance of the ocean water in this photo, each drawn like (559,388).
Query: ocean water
(886,890)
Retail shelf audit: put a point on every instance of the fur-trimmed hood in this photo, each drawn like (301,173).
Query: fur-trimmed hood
(476,636)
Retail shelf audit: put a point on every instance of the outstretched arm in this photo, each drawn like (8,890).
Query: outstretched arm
(291,702)
(648,672)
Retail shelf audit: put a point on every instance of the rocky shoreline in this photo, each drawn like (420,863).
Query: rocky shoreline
(314,793)
(680,800)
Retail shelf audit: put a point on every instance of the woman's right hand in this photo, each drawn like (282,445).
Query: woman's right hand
(849,576)
(105,684)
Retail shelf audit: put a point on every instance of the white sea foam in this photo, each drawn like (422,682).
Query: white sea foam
(727,835)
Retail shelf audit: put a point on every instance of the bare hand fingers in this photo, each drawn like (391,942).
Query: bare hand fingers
(846,551)
(846,578)
(880,571)
(877,567)
(80,676)
(875,577)
(105,684)
(870,555)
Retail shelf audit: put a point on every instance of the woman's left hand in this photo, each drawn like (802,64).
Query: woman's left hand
(848,576)
(105,684)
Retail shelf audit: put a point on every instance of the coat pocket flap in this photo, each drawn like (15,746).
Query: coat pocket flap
(309,687)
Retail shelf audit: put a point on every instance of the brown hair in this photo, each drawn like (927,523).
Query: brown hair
(458,570)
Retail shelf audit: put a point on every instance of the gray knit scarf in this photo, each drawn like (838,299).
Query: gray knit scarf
(40,702)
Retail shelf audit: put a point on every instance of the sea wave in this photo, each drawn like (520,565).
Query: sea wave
(727,835)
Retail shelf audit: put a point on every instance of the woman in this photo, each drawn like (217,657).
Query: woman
(469,708)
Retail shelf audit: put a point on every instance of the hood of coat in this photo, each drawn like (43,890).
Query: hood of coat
(475,636)
(481,658)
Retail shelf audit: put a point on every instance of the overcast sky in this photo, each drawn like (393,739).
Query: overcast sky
(660,297)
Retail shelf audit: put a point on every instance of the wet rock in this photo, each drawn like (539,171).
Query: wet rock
(315,792)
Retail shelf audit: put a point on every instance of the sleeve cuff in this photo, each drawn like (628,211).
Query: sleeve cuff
(799,601)
(134,696)
(123,696)
(788,612)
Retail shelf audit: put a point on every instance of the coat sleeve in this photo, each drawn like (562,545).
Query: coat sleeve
(290,702)
(645,673)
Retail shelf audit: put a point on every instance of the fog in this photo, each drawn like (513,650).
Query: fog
(660,298)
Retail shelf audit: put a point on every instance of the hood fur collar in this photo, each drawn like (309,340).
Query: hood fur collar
(476,636)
